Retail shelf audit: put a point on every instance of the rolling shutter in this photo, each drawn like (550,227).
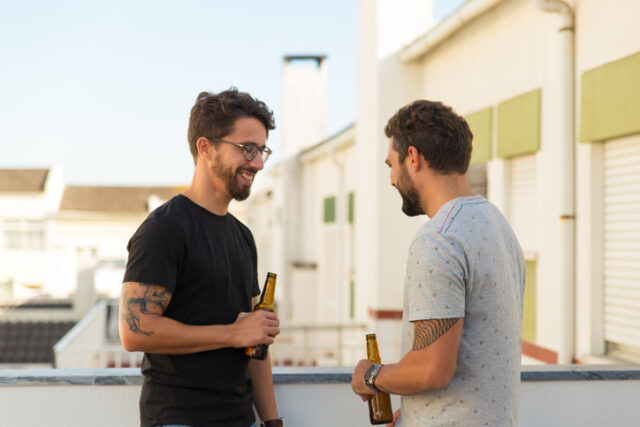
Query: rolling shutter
(621,243)
(524,201)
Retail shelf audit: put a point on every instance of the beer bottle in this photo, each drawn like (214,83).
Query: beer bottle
(380,411)
(260,351)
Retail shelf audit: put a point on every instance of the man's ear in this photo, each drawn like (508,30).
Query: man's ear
(413,159)
(204,147)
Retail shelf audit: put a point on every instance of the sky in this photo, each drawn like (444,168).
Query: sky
(103,89)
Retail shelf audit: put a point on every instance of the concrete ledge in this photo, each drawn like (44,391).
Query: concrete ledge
(299,375)
(52,377)
(580,372)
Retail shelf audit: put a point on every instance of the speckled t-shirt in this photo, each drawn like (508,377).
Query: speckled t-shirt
(466,262)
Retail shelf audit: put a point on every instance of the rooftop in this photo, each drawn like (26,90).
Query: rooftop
(114,199)
(30,342)
(23,180)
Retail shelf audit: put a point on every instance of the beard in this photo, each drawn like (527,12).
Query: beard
(230,178)
(410,197)
(411,203)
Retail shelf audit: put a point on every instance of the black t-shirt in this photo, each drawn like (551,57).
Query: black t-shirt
(209,264)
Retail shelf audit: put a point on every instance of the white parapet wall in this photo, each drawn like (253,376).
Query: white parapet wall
(571,395)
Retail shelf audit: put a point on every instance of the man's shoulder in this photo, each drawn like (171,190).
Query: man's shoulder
(166,216)
(237,223)
(458,210)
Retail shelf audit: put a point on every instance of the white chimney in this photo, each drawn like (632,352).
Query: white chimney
(304,108)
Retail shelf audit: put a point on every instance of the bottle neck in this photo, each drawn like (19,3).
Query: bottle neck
(372,351)
(268,293)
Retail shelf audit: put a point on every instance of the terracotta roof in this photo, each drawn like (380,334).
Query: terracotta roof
(20,180)
(30,342)
(114,199)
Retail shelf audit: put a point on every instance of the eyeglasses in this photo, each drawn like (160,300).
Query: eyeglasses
(249,149)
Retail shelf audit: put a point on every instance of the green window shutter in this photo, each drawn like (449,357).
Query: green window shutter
(519,125)
(351,212)
(529,308)
(610,100)
(480,123)
(329,209)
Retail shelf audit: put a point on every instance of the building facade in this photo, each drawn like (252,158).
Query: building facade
(551,91)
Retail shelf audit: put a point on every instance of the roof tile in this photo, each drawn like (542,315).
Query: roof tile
(113,199)
(23,180)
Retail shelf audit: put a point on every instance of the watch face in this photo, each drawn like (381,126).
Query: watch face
(370,375)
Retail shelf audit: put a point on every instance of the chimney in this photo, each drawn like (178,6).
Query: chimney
(304,102)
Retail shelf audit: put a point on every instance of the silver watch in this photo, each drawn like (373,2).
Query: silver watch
(370,377)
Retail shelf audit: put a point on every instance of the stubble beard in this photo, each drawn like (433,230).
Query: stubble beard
(410,197)
(411,203)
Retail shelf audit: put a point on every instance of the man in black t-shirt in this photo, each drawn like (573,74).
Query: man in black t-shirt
(191,276)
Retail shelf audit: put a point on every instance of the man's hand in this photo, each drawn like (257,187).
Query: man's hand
(396,416)
(357,380)
(259,327)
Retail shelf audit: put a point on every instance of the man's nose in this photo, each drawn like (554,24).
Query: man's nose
(257,162)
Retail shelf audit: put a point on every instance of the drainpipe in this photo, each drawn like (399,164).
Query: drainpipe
(564,150)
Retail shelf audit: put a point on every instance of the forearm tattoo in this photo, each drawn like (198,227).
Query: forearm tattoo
(143,299)
(426,332)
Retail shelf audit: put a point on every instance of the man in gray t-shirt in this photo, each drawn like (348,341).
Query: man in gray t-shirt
(464,285)
(466,263)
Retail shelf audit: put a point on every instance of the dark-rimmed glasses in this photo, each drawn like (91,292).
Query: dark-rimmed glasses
(249,149)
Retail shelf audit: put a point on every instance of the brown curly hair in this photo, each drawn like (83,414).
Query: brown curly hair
(436,131)
(214,114)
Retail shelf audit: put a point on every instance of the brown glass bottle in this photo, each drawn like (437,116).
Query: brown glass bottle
(260,351)
(380,411)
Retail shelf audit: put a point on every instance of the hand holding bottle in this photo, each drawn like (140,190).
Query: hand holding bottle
(259,327)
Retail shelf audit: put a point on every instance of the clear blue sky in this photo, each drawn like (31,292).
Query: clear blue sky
(104,88)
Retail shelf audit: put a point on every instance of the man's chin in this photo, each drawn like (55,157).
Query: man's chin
(241,194)
(411,210)
(411,213)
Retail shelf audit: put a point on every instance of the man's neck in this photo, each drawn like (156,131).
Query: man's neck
(204,193)
(442,189)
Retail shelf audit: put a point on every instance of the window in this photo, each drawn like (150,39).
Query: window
(24,234)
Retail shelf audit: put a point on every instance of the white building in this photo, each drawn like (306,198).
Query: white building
(62,241)
(552,94)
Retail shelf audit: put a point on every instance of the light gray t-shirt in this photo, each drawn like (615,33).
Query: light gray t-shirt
(466,262)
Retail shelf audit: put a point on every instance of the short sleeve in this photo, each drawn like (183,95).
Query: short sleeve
(156,251)
(435,279)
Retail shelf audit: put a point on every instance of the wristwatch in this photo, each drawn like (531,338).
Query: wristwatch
(371,375)
(273,423)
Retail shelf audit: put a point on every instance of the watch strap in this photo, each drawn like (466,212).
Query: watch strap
(273,423)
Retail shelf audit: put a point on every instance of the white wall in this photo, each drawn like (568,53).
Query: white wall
(382,232)
(543,403)
(81,242)
(607,31)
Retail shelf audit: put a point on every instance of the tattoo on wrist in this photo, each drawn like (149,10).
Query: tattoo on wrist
(427,331)
(154,300)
